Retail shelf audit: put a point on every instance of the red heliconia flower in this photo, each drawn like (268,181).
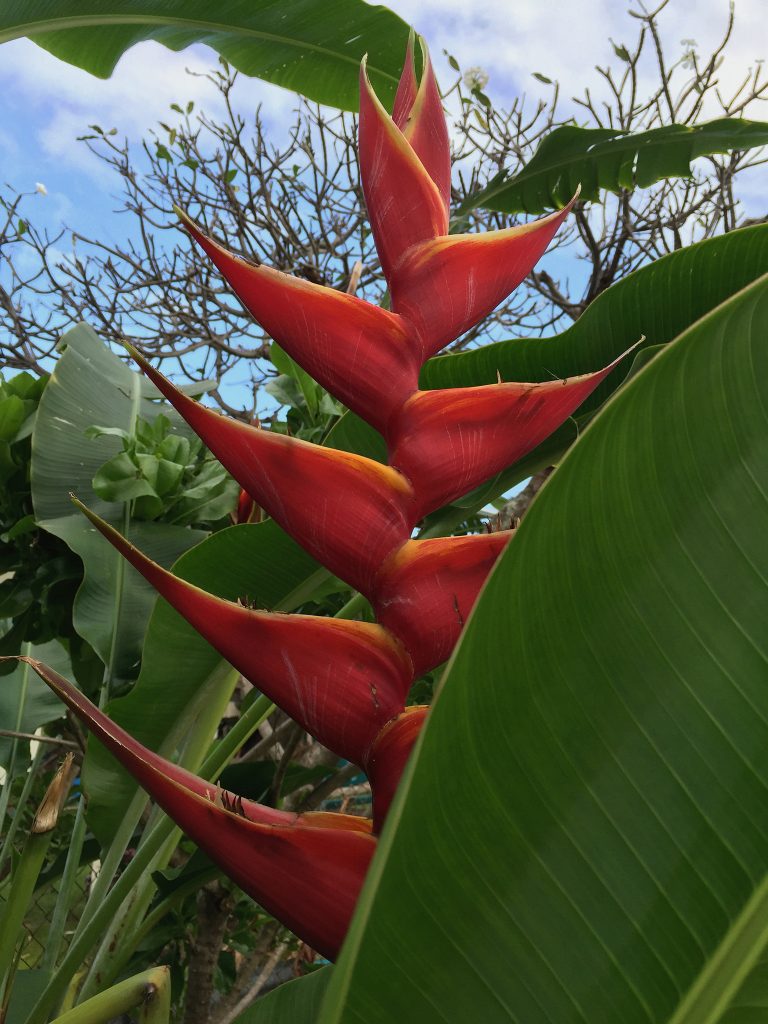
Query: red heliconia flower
(305,869)
(347,682)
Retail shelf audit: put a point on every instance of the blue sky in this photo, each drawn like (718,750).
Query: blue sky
(45,105)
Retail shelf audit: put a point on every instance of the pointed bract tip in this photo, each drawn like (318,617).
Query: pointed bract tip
(190,226)
(365,81)
(424,53)
(84,509)
(136,355)
(182,215)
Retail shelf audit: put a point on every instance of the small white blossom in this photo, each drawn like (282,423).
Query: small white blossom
(476,78)
(41,188)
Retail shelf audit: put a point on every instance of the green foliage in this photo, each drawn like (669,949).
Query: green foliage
(297,1001)
(600,855)
(167,476)
(38,573)
(311,411)
(310,46)
(91,384)
(578,838)
(606,158)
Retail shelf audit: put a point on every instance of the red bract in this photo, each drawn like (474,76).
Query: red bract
(306,869)
(342,681)
(347,682)
(327,500)
(405,204)
(389,756)
(425,591)
(446,443)
(449,283)
(366,356)
(418,113)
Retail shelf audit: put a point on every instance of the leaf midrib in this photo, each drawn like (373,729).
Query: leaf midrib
(121,563)
(725,971)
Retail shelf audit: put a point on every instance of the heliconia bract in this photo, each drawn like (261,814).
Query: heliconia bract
(306,869)
(345,682)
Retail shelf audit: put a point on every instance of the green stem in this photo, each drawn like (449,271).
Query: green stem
(355,604)
(64,898)
(119,942)
(25,792)
(113,858)
(153,842)
(120,571)
(150,990)
(23,884)
(5,794)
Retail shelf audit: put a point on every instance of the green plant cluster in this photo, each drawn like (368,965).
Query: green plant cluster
(168,476)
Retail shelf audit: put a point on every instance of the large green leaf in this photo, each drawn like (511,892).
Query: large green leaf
(606,158)
(295,1002)
(311,46)
(583,834)
(91,386)
(179,669)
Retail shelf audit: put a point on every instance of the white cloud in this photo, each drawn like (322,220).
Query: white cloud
(9,145)
(63,101)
